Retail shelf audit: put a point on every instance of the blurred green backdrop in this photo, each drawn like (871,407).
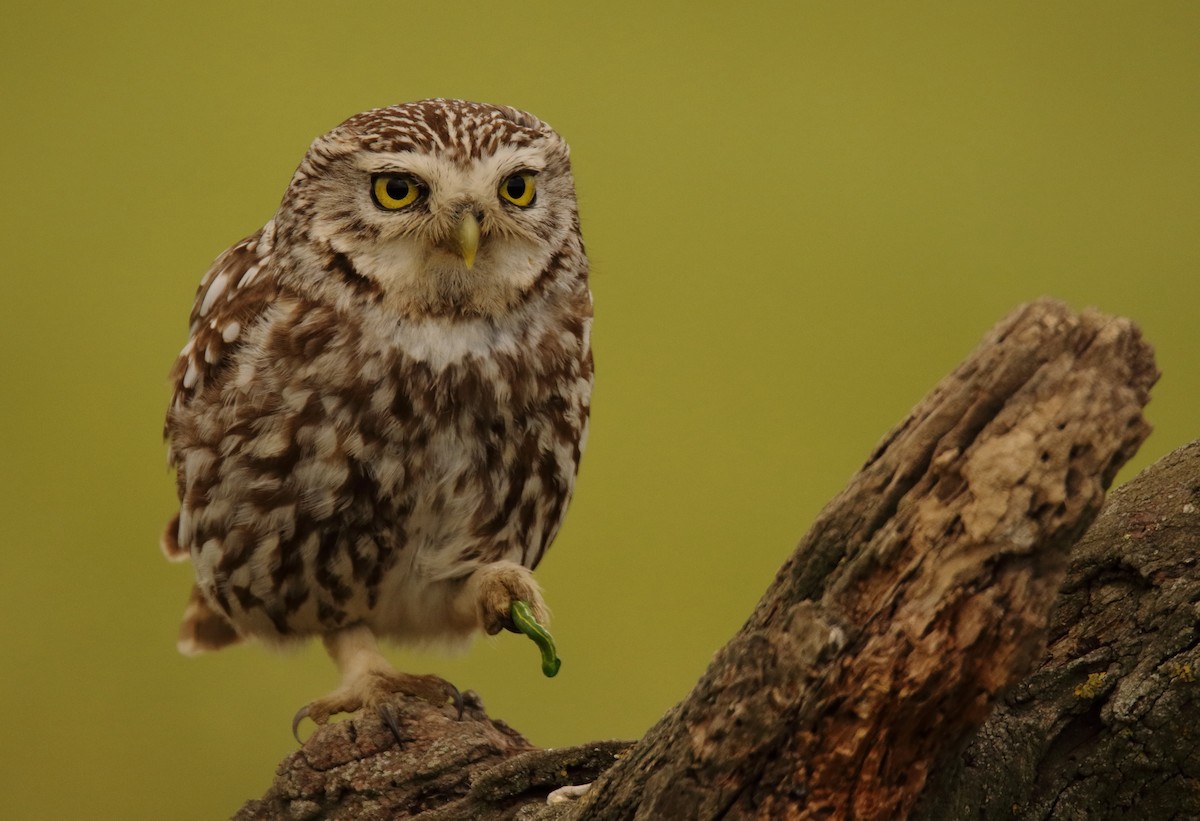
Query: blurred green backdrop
(799,217)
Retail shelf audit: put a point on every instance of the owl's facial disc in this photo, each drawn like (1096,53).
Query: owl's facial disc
(448,236)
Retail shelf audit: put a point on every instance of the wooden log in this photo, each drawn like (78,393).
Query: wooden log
(919,593)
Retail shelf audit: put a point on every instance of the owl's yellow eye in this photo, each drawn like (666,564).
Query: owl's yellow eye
(519,189)
(395,191)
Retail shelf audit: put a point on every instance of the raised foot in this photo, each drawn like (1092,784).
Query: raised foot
(506,597)
(496,587)
(373,689)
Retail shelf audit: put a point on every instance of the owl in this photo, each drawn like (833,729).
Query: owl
(378,416)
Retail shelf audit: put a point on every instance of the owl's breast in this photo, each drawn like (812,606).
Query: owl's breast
(341,479)
(485,450)
(479,467)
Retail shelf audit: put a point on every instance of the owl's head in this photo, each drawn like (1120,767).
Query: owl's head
(439,207)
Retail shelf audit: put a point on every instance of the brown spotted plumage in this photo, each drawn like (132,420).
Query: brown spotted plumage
(380,409)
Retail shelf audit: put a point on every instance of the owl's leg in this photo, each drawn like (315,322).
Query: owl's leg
(491,591)
(368,680)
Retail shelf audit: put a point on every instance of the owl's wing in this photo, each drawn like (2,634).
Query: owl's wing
(231,294)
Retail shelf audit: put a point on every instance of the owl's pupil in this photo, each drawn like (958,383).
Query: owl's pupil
(516,187)
(397,189)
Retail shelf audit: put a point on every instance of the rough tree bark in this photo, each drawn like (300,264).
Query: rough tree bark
(1106,725)
(920,594)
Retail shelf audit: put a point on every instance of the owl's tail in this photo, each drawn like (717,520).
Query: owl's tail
(203,628)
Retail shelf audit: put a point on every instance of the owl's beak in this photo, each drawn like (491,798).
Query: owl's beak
(466,235)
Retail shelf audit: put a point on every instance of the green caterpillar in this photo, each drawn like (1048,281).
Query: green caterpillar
(523,618)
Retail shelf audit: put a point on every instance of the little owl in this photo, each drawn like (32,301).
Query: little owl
(380,409)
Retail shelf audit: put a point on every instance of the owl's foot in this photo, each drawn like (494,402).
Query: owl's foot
(375,689)
(496,587)
(369,681)
(506,597)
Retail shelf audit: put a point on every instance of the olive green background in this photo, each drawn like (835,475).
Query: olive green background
(800,216)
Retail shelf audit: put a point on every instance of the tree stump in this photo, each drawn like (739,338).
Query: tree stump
(919,595)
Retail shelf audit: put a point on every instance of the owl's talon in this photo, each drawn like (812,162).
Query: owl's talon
(388,714)
(523,618)
(453,695)
(301,714)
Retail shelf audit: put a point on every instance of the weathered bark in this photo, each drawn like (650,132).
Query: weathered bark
(919,594)
(1106,725)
